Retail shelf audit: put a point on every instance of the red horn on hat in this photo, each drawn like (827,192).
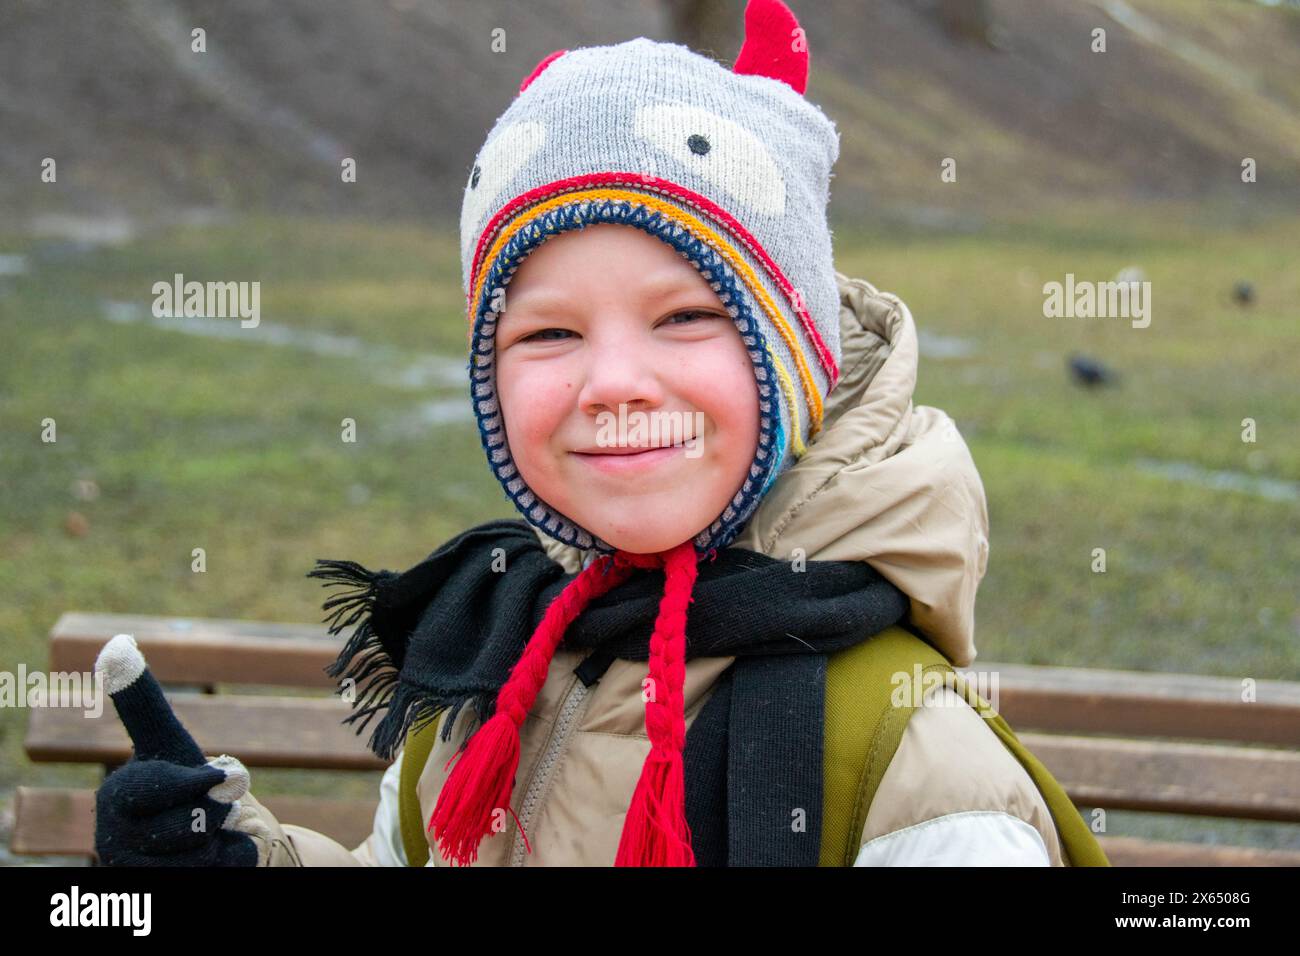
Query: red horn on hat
(537,70)
(774,45)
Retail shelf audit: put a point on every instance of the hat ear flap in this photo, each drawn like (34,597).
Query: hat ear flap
(537,70)
(774,45)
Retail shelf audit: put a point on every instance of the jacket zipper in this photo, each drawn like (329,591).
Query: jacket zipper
(555,744)
(567,718)
(570,709)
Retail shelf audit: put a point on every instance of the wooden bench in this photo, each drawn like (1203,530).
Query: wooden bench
(261,729)
(1105,735)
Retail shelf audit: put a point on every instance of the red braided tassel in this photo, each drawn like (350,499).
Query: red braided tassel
(484,777)
(655,831)
(481,783)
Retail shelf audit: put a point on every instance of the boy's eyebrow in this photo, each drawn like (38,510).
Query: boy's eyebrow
(654,289)
(539,302)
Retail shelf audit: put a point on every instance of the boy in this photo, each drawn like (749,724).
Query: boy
(669,376)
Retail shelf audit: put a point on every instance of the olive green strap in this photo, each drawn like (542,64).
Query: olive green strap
(864,726)
(1081,846)
(419,743)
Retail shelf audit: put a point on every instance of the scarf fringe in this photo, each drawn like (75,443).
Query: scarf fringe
(366,662)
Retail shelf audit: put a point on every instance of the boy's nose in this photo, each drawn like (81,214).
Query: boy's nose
(619,371)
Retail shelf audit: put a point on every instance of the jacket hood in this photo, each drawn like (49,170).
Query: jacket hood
(884,482)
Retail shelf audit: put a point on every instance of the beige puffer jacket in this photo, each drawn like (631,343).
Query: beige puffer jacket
(884,482)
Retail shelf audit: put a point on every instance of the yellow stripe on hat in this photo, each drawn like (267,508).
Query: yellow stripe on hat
(720,244)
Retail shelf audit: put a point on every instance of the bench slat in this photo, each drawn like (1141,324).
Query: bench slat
(52,821)
(203,650)
(1135,704)
(1131,851)
(1208,779)
(266,731)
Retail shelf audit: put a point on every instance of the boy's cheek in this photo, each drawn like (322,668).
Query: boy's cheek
(534,395)
(532,424)
(544,411)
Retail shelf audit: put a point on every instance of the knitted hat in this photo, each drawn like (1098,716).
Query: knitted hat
(730,167)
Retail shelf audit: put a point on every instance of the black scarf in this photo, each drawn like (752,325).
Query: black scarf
(448,631)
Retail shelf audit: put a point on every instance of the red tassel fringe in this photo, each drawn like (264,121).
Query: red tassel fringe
(655,832)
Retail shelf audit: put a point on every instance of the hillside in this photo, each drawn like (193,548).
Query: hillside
(142,126)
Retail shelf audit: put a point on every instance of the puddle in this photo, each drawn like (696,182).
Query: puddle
(1274,489)
(422,418)
(935,346)
(12,265)
(87,230)
(390,365)
(384,364)
(429,371)
(985,375)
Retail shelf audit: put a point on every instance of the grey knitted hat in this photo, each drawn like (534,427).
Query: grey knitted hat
(731,167)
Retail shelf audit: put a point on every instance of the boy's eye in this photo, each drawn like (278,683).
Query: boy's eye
(537,336)
(541,334)
(691,313)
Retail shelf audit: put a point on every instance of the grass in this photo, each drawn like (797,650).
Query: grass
(1189,568)
(235,448)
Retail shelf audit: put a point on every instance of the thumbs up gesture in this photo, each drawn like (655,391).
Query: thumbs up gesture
(169,805)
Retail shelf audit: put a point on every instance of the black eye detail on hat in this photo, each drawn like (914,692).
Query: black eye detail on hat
(473,178)
(699,145)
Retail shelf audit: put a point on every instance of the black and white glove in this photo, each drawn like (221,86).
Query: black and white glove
(169,805)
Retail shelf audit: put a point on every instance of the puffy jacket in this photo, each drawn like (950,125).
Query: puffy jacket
(884,482)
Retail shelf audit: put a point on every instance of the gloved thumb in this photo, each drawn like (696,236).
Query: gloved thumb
(155,732)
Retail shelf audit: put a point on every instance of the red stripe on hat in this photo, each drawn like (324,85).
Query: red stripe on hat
(668,187)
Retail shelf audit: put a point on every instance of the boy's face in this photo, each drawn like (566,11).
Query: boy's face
(593,323)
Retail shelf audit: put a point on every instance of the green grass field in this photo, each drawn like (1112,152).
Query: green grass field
(234,447)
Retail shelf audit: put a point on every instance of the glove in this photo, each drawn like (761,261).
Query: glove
(169,805)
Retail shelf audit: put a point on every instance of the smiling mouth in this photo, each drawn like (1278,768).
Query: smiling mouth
(627,450)
(623,461)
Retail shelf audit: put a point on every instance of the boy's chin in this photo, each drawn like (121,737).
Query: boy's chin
(649,540)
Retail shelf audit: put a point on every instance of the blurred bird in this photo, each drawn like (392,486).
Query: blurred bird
(1243,293)
(1090,372)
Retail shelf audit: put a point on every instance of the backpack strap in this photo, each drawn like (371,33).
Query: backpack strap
(1079,843)
(419,744)
(863,730)
(864,726)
